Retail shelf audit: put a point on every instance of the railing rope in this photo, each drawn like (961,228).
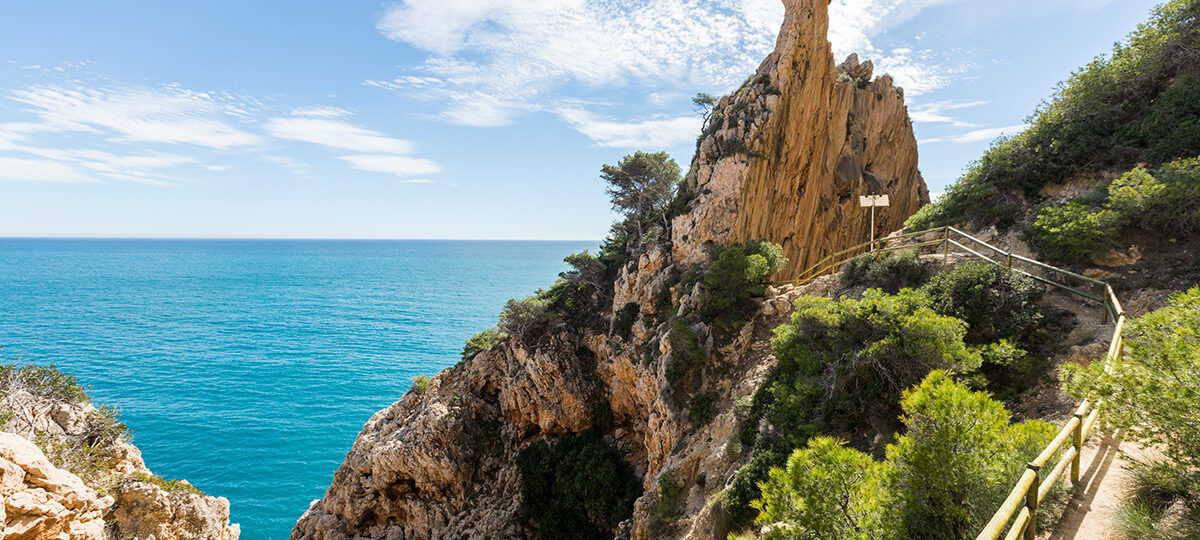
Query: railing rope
(1020,520)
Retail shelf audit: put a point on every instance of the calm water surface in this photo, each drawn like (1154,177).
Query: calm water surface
(248,366)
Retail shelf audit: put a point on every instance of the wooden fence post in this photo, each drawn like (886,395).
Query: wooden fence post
(1078,447)
(1031,502)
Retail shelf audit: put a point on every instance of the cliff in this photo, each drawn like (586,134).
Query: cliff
(69,472)
(783,158)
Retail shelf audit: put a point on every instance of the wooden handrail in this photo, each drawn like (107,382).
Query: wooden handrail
(1032,487)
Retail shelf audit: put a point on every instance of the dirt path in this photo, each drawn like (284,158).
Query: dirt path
(1103,486)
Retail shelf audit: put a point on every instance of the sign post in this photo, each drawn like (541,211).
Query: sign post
(873,201)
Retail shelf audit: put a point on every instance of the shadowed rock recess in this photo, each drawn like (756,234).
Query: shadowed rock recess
(785,158)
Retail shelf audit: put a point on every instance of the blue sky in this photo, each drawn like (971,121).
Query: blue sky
(450,118)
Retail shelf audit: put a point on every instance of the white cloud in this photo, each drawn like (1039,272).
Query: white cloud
(416,181)
(978,135)
(369,150)
(657,133)
(40,170)
(335,134)
(135,114)
(390,163)
(490,61)
(937,112)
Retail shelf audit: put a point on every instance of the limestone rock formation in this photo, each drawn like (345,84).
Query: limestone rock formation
(43,501)
(784,158)
(120,498)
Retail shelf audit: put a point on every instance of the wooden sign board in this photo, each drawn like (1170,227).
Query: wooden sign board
(873,200)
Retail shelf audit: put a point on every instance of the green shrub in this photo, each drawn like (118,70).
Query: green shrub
(826,491)
(997,303)
(1142,103)
(420,384)
(1073,232)
(527,318)
(663,511)
(1153,389)
(943,478)
(702,408)
(958,458)
(887,271)
(42,381)
(842,366)
(624,318)
(170,486)
(482,341)
(735,277)
(575,488)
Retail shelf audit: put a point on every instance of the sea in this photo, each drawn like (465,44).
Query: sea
(248,367)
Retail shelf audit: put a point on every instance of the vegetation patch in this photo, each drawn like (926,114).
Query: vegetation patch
(575,488)
(736,276)
(482,341)
(702,408)
(887,271)
(169,486)
(1139,104)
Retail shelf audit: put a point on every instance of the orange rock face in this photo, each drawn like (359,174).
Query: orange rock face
(787,156)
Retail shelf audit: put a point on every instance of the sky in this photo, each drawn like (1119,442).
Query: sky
(448,119)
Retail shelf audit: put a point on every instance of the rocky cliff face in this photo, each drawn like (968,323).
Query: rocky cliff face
(117,496)
(787,155)
(783,158)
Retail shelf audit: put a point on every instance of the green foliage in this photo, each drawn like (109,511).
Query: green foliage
(1142,103)
(1153,389)
(1154,488)
(841,368)
(887,271)
(624,318)
(826,491)
(1074,231)
(958,458)
(735,277)
(482,341)
(575,488)
(420,384)
(1166,201)
(663,511)
(997,303)
(942,478)
(527,318)
(170,486)
(686,350)
(642,187)
(42,381)
(702,408)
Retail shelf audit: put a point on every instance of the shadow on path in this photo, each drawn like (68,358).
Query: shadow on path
(1099,492)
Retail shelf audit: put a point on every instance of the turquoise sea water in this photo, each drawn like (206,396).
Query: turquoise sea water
(248,366)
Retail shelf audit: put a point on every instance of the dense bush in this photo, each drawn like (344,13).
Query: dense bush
(842,366)
(997,303)
(887,271)
(169,486)
(42,381)
(1142,103)
(686,350)
(1153,389)
(942,479)
(482,341)
(623,319)
(420,384)
(1166,201)
(575,488)
(735,277)
(702,408)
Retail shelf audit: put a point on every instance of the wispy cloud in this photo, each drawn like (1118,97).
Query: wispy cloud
(939,112)
(489,62)
(168,114)
(656,133)
(370,150)
(978,135)
(41,170)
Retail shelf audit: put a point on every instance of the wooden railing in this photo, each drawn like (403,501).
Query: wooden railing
(1018,514)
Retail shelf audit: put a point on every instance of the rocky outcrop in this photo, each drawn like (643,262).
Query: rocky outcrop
(117,496)
(782,158)
(43,501)
(786,156)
